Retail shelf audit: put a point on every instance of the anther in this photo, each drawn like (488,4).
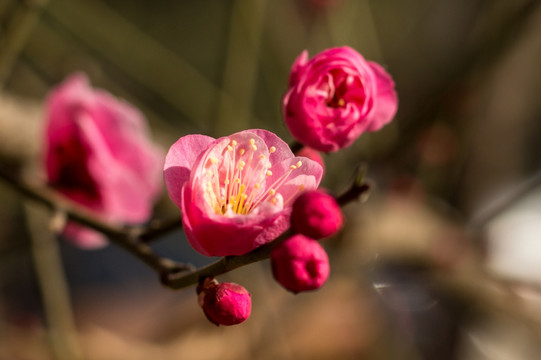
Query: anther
(272,149)
(269,173)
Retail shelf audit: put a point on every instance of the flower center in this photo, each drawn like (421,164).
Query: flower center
(240,179)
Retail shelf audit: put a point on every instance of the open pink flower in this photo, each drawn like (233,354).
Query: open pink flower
(336,96)
(98,154)
(236,192)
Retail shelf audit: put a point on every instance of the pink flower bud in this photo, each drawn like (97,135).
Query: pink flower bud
(311,154)
(300,264)
(316,214)
(225,303)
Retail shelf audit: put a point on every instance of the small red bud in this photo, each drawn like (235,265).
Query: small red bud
(225,303)
(311,154)
(316,214)
(300,264)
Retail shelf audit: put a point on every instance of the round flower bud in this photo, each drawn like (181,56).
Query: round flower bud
(316,214)
(225,303)
(311,154)
(300,264)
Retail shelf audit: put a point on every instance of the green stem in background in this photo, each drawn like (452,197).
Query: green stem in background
(19,29)
(241,63)
(52,283)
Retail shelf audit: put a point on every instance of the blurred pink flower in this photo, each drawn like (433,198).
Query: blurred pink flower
(225,303)
(98,154)
(336,96)
(316,214)
(236,192)
(300,264)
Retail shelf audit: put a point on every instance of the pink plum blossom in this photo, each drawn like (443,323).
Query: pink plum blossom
(316,214)
(236,192)
(97,153)
(300,264)
(225,303)
(335,97)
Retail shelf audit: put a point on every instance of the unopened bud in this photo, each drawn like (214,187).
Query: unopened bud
(300,264)
(316,214)
(224,303)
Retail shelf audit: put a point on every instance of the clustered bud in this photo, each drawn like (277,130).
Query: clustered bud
(300,264)
(316,214)
(224,303)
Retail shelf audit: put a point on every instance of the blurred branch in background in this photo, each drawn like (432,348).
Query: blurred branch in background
(14,38)
(62,332)
(241,66)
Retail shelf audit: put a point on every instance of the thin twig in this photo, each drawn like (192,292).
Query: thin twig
(20,28)
(177,280)
(506,200)
(121,235)
(174,275)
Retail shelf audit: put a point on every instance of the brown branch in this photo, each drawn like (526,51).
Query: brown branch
(181,279)
(126,237)
(132,239)
(177,280)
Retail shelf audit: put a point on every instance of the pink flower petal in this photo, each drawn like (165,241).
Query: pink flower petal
(179,161)
(299,62)
(387,101)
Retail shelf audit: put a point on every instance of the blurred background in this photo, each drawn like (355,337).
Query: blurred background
(442,261)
